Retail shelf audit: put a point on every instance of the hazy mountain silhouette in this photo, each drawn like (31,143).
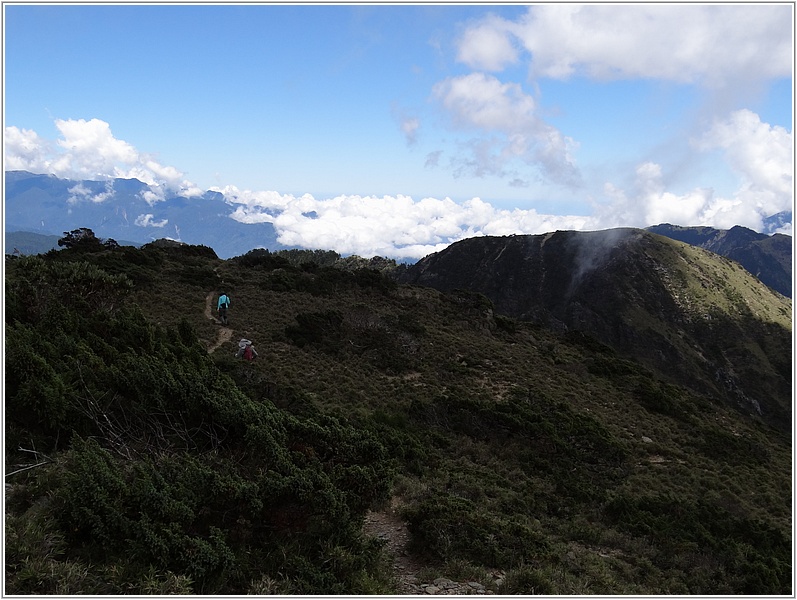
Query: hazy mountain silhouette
(117,209)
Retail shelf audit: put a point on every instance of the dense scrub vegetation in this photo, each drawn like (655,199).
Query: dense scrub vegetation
(157,473)
(141,464)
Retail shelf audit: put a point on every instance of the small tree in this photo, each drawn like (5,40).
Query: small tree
(79,238)
(84,239)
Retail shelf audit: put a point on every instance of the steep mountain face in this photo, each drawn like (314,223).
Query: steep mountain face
(767,257)
(698,318)
(118,209)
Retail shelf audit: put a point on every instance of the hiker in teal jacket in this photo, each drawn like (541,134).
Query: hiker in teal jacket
(224,303)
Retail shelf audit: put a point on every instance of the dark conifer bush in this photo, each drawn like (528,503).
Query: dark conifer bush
(162,461)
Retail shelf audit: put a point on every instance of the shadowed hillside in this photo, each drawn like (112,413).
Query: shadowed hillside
(521,455)
(694,316)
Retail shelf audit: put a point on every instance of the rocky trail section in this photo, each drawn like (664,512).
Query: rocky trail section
(387,525)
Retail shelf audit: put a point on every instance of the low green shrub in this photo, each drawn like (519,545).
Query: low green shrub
(527,580)
(448,527)
(680,529)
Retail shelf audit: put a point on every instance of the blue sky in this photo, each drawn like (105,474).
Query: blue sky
(401,128)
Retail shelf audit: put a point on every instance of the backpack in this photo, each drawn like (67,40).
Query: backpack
(248,354)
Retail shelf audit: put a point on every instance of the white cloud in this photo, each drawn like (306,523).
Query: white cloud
(651,204)
(80,193)
(486,46)
(88,150)
(730,50)
(482,101)
(506,116)
(399,226)
(153,195)
(762,156)
(269,200)
(396,226)
(25,150)
(409,127)
(148,220)
(711,45)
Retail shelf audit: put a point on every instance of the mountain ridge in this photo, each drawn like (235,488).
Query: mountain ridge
(648,296)
(118,209)
(768,257)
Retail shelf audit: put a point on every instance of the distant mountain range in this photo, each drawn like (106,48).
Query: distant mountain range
(117,209)
(39,208)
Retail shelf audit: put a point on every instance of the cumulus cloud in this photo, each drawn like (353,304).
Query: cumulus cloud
(148,220)
(153,195)
(761,154)
(396,226)
(505,117)
(711,45)
(649,203)
(486,46)
(25,151)
(728,50)
(88,150)
(80,193)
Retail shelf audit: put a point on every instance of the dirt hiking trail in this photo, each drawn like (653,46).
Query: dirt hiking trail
(387,525)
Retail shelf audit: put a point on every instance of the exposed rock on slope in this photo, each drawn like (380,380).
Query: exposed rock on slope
(697,317)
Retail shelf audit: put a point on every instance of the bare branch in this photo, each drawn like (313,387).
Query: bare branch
(46,462)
